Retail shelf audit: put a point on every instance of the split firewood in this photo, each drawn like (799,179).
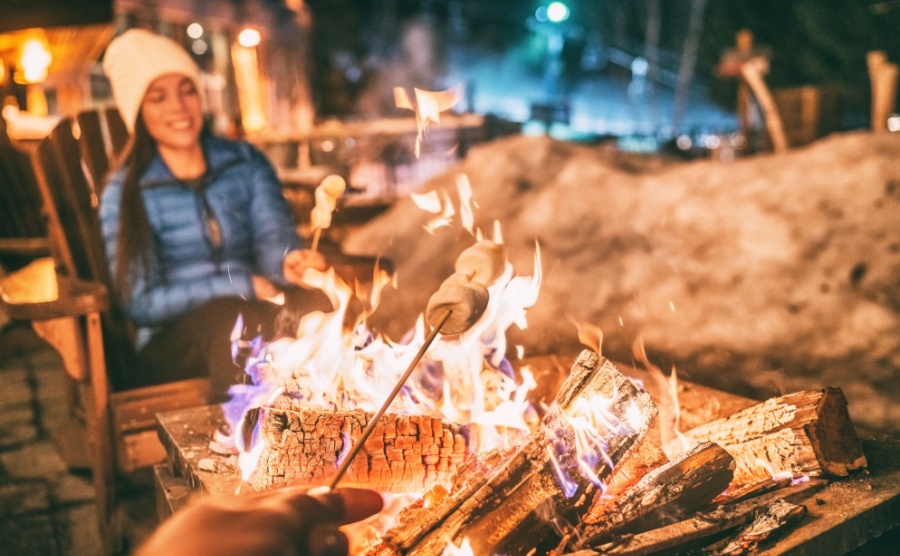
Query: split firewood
(753,490)
(775,519)
(406,453)
(692,533)
(647,457)
(804,433)
(498,510)
(664,495)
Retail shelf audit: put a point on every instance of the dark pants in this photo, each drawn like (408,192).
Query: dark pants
(199,343)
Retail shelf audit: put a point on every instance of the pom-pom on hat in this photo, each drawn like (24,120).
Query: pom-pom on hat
(134,59)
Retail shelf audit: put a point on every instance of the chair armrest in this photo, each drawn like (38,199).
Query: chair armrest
(76,298)
(25,246)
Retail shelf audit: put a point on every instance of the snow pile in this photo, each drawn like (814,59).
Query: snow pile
(772,273)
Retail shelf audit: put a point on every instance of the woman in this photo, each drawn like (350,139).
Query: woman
(196,228)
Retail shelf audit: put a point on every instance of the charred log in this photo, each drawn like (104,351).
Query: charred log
(406,453)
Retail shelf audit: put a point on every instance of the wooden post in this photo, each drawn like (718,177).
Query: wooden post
(883,78)
(752,71)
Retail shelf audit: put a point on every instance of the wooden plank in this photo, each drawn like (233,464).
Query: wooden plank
(172,492)
(852,511)
(186,433)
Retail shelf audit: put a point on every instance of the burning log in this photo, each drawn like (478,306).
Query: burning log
(804,433)
(645,459)
(498,510)
(406,453)
(778,515)
(664,495)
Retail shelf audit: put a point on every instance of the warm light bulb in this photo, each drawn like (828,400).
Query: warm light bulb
(195,30)
(35,61)
(248,38)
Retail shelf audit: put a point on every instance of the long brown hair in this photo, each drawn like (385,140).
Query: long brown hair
(135,246)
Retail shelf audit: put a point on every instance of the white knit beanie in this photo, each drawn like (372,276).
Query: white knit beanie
(134,59)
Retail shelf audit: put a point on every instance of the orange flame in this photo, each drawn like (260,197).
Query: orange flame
(428,107)
(673,441)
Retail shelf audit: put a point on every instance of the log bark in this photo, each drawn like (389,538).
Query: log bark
(804,433)
(647,457)
(406,453)
(664,495)
(499,509)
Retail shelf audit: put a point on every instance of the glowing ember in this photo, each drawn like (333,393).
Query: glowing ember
(674,442)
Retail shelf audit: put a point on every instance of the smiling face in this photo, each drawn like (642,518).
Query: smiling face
(172,112)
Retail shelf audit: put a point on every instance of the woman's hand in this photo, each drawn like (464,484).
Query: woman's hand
(298,260)
(278,522)
(263,288)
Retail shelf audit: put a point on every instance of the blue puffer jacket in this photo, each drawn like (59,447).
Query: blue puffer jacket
(244,195)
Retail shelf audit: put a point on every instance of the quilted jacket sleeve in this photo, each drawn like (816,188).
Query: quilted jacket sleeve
(273,229)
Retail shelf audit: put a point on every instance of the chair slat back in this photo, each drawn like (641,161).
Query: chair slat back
(65,186)
(74,221)
(105,137)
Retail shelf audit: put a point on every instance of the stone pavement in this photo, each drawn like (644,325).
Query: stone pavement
(46,508)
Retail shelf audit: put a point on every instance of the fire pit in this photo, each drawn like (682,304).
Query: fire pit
(842,513)
(598,460)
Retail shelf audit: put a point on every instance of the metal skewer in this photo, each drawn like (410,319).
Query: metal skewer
(357,446)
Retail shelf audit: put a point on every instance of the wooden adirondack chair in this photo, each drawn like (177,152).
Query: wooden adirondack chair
(91,335)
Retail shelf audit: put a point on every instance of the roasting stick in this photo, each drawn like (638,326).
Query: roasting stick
(315,240)
(373,422)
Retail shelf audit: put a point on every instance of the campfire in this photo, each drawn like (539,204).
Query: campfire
(474,467)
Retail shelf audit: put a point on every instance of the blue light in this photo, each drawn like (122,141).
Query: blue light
(557,12)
